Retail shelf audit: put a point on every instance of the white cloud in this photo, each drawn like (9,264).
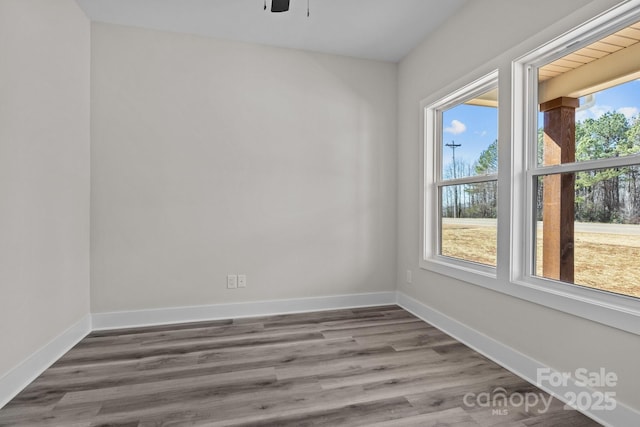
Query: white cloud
(456,128)
(582,115)
(598,111)
(594,112)
(482,133)
(629,112)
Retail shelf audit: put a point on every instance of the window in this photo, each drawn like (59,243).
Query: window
(576,187)
(461,172)
(589,217)
(549,213)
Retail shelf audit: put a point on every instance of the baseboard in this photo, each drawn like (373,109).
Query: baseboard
(128,319)
(511,359)
(22,375)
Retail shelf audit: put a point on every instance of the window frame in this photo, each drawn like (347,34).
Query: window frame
(616,310)
(431,224)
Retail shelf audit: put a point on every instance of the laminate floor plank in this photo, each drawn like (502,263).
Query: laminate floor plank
(223,358)
(371,355)
(352,415)
(101,376)
(373,366)
(377,329)
(364,323)
(140,352)
(168,386)
(121,332)
(170,336)
(388,373)
(449,418)
(452,396)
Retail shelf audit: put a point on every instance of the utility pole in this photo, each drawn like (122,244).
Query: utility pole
(453,147)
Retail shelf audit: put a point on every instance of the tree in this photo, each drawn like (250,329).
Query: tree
(603,137)
(453,200)
(633,173)
(598,191)
(483,196)
(487,163)
(604,195)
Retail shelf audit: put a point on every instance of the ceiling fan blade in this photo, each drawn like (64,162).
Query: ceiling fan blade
(279,5)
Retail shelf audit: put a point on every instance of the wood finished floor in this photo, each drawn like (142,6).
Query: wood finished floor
(360,367)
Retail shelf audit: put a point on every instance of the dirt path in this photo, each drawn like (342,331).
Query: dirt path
(587,227)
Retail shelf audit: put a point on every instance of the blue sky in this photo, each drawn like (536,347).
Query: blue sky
(475,128)
(624,99)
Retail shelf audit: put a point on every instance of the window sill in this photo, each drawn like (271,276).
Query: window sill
(462,270)
(617,311)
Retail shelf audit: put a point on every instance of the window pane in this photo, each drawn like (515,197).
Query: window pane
(606,125)
(469,137)
(599,215)
(587,110)
(469,227)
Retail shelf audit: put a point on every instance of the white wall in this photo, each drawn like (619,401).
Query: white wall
(44,173)
(495,32)
(212,157)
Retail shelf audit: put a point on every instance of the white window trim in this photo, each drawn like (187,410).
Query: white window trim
(609,309)
(430,258)
(615,310)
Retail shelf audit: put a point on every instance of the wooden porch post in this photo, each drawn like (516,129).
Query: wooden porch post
(559,190)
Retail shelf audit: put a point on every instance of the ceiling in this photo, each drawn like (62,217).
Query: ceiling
(374,29)
(615,42)
(607,62)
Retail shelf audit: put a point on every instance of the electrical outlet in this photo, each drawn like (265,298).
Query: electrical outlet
(232,281)
(409,276)
(242,280)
